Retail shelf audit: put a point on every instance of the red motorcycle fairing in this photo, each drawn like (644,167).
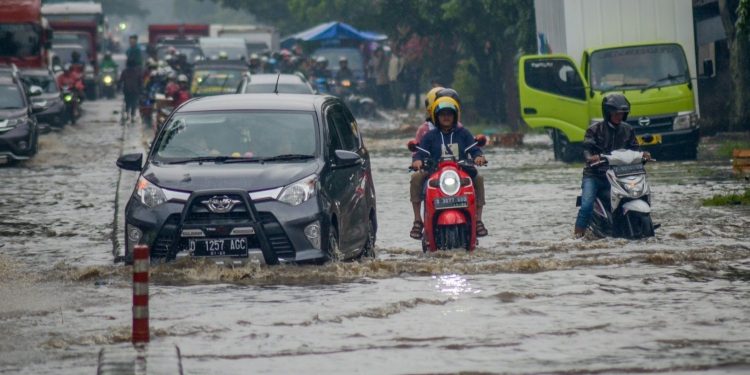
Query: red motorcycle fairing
(436,219)
(451,217)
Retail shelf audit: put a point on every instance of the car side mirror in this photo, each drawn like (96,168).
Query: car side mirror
(345,159)
(412,145)
(130,162)
(35,91)
(708,68)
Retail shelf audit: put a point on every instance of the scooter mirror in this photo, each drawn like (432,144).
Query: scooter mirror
(412,146)
(481,140)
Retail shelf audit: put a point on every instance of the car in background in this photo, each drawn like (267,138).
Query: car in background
(217,77)
(49,104)
(277,178)
(19,133)
(354,56)
(266,84)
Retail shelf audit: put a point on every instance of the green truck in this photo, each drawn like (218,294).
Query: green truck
(655,76)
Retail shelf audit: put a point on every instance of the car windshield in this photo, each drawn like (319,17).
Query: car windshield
(638,67)
(233,52)
(215,81)
(10,97)
(19,40)
(284,88)
(46,82)
(241,135)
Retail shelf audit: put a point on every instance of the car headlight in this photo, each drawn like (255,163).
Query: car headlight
(300,191)
(450,183)
(685,120)
(149,194)
(13,122)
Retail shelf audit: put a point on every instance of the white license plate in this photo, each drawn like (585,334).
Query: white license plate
(215,247)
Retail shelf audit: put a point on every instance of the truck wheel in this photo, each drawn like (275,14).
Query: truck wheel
(568,152)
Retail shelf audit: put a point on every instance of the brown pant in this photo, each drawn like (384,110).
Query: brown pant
(417,184)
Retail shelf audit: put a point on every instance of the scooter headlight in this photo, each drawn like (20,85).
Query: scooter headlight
(107,80)
(633,185)
(68,98)
(450,183)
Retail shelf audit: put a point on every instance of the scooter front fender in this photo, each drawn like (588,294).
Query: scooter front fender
(451,217)
(637,206)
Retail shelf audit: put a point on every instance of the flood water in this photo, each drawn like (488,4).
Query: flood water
(529,300)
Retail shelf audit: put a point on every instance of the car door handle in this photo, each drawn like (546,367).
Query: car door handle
(529,111)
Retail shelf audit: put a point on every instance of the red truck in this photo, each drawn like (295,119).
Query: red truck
(74,22)
(24,34)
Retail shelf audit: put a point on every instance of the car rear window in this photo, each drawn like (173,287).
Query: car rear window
(267,88)
(237,134)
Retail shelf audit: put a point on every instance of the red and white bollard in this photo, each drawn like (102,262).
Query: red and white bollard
(141,260)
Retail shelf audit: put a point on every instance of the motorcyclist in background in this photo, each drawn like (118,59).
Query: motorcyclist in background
(254,64)
(183,93)
(71,79)
(107,62)
(602,138)
(320,70)
(344,72)
(447,139)
(172,87)
(76,64)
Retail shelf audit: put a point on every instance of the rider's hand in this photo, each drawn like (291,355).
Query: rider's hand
(480,160)
(593,159)
(646,155)
(416,165)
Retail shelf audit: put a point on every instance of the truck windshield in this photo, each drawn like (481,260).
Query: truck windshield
(19,40)
(638,67)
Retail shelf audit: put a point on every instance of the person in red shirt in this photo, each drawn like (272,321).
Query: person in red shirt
(172,86)
(71,79)
(183,94)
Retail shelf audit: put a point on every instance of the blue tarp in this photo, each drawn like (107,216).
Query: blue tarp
(331,31)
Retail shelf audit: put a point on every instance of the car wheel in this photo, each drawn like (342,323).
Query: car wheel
(334,252)
(369,249)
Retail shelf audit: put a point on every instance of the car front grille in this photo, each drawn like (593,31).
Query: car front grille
(657,124)
(198,213)
(277,239)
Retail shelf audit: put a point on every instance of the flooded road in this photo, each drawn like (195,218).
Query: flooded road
(529,300)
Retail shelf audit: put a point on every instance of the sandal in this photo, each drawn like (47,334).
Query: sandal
(416,230)
(481,230)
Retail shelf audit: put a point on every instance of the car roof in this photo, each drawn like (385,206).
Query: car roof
(271,78)
(241,102)
(35,72)
(221,64)
(7,80)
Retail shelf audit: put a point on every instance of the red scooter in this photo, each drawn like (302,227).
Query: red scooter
(450,204)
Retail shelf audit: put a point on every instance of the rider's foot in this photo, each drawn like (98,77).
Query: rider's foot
(481,230)
(416,230)
(579,232)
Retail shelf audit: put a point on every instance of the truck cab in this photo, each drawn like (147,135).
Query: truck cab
(25,34)
(566,98)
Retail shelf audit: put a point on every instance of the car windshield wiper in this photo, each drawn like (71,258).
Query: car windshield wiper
(669,77)
(217,159)
(288,157)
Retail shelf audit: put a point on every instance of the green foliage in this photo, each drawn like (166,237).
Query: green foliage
(725,149)
(728,199)
(465,82)
(743,17)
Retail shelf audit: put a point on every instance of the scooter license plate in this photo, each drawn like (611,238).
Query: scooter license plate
(654,141)
(216,247)
(451,202)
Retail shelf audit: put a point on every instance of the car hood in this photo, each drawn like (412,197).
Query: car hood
(245,176)
(12,113)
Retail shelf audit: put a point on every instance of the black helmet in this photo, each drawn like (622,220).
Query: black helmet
(451,93)
(615,103)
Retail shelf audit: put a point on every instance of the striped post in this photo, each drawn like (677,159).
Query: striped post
(141,258)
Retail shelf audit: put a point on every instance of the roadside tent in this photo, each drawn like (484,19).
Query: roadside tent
(332,31)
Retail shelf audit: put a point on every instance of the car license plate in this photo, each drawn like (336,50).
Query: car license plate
(451,202)
(654,141)
(218,247)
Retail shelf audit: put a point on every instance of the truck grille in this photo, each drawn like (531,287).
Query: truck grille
(657,124)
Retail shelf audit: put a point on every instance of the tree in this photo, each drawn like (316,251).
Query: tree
(734,16)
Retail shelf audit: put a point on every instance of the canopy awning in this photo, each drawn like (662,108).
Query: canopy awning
(332,31)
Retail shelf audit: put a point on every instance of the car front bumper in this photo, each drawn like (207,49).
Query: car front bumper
(17,143)
(283,226)
(53,115)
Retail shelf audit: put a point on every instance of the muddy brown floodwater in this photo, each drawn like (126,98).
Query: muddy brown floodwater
(528,300)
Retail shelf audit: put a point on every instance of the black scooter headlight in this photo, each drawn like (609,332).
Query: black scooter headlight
(450,183)
(68,98)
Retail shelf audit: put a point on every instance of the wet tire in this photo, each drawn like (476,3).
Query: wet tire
(566,151)
(333,251)
(450,237)
(368,251)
